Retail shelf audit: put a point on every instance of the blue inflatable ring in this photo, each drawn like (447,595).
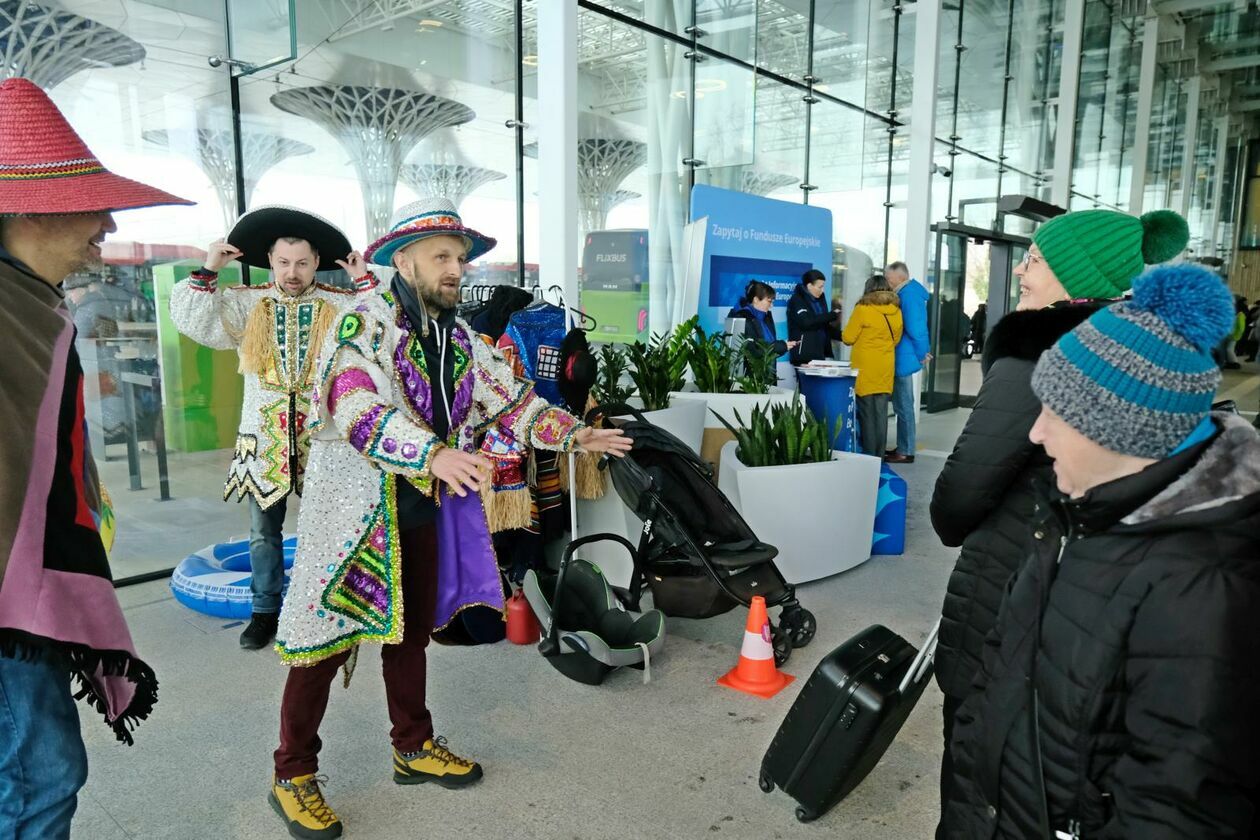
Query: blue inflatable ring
(215,580)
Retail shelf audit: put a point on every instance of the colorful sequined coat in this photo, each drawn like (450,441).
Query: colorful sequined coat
(371,427)
(272,442)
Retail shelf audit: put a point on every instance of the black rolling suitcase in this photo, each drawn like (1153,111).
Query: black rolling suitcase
(849,711)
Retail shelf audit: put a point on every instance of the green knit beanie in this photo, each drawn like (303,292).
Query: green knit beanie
(1098,253)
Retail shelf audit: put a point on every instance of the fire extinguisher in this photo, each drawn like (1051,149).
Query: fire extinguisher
(522,625)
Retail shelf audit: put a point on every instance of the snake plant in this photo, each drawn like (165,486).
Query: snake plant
(780,435)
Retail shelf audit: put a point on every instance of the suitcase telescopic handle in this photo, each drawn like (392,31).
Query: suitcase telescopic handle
(922,661)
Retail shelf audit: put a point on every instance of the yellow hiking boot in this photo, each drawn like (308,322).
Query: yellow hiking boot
(300,803)
(435,763)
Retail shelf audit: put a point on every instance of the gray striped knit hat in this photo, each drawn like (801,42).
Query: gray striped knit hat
(1138,377)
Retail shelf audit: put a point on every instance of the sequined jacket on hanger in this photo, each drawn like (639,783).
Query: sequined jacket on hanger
(272,442)
(370,427)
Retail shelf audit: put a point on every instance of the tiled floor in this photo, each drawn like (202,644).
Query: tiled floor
(676,758)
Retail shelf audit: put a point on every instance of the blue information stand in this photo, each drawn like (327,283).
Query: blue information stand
(890,514)
(832,398)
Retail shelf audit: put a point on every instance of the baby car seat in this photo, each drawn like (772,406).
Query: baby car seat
(587,632)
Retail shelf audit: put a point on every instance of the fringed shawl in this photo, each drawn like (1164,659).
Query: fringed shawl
(56,596)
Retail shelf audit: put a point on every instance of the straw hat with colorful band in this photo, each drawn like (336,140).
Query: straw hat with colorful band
(46,169)
(256,231)
(421,219)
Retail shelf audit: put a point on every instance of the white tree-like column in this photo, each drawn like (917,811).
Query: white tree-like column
(455,181)
(379,127)
(48,45)
(763,182)
(595,217)
(216,156)
(603,163)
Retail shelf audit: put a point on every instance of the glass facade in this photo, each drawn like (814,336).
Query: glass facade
(350,108)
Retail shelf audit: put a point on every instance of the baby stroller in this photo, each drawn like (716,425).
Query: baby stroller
(696,554)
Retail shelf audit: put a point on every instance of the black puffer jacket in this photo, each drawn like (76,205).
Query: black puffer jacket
(812,324)
(1145,598)
(984,495)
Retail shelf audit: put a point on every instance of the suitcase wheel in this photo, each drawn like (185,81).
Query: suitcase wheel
(805,815)
(764,783)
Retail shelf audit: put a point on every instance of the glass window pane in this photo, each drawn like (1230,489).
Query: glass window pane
(730,26)
(143,87)
(632,185)
(774,162)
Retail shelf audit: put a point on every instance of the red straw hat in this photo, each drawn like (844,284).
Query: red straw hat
(46,169)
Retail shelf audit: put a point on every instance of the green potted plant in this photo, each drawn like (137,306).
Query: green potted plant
(713,362)
(815,505)
(612,384)
(730,375)
(659,372)
(757,363)
(660,367)
(780,436)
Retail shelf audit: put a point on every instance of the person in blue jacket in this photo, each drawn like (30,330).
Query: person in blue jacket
(754,307)
(913,354)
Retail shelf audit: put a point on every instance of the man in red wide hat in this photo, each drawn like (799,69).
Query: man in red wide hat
(59,617)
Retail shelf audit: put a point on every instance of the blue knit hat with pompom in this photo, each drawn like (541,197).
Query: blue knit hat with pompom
(1138,377)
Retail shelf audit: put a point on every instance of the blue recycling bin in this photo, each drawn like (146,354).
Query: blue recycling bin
(890,514)
(832,398)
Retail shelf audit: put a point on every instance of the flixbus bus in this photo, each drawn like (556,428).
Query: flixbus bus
(615,284)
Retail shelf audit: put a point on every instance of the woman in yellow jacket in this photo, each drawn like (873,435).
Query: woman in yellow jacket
(873,330)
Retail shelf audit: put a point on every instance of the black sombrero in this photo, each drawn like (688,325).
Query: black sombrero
(256,231)
(578,371)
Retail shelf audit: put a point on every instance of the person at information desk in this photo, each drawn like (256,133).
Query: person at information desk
(809,321)
(755,308)
(873,331)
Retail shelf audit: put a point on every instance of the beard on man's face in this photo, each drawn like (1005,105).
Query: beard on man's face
(439,298)
(438,292)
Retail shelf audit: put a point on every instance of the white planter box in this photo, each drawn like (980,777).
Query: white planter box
(727,404)
(715,434)
(685,420)
(821,517)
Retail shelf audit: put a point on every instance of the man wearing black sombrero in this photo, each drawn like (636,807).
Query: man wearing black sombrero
(277,329)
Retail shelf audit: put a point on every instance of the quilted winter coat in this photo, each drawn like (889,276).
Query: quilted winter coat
(1134,632)
(984,496)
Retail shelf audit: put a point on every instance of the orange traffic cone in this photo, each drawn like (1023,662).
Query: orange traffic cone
(755,673)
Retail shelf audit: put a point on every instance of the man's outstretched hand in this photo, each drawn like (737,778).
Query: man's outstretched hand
(612,441)
(463,471)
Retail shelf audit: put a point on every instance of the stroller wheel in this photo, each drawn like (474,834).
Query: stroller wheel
(801,626)
(782,645)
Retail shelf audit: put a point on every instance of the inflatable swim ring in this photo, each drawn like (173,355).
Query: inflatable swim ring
(215,580)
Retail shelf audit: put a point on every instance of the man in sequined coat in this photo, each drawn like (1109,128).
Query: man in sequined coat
(276,328)
(392,538)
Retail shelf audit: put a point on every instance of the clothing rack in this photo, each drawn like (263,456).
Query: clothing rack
(473,297)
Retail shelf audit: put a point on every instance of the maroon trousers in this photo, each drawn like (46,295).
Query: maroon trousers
(403,666)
